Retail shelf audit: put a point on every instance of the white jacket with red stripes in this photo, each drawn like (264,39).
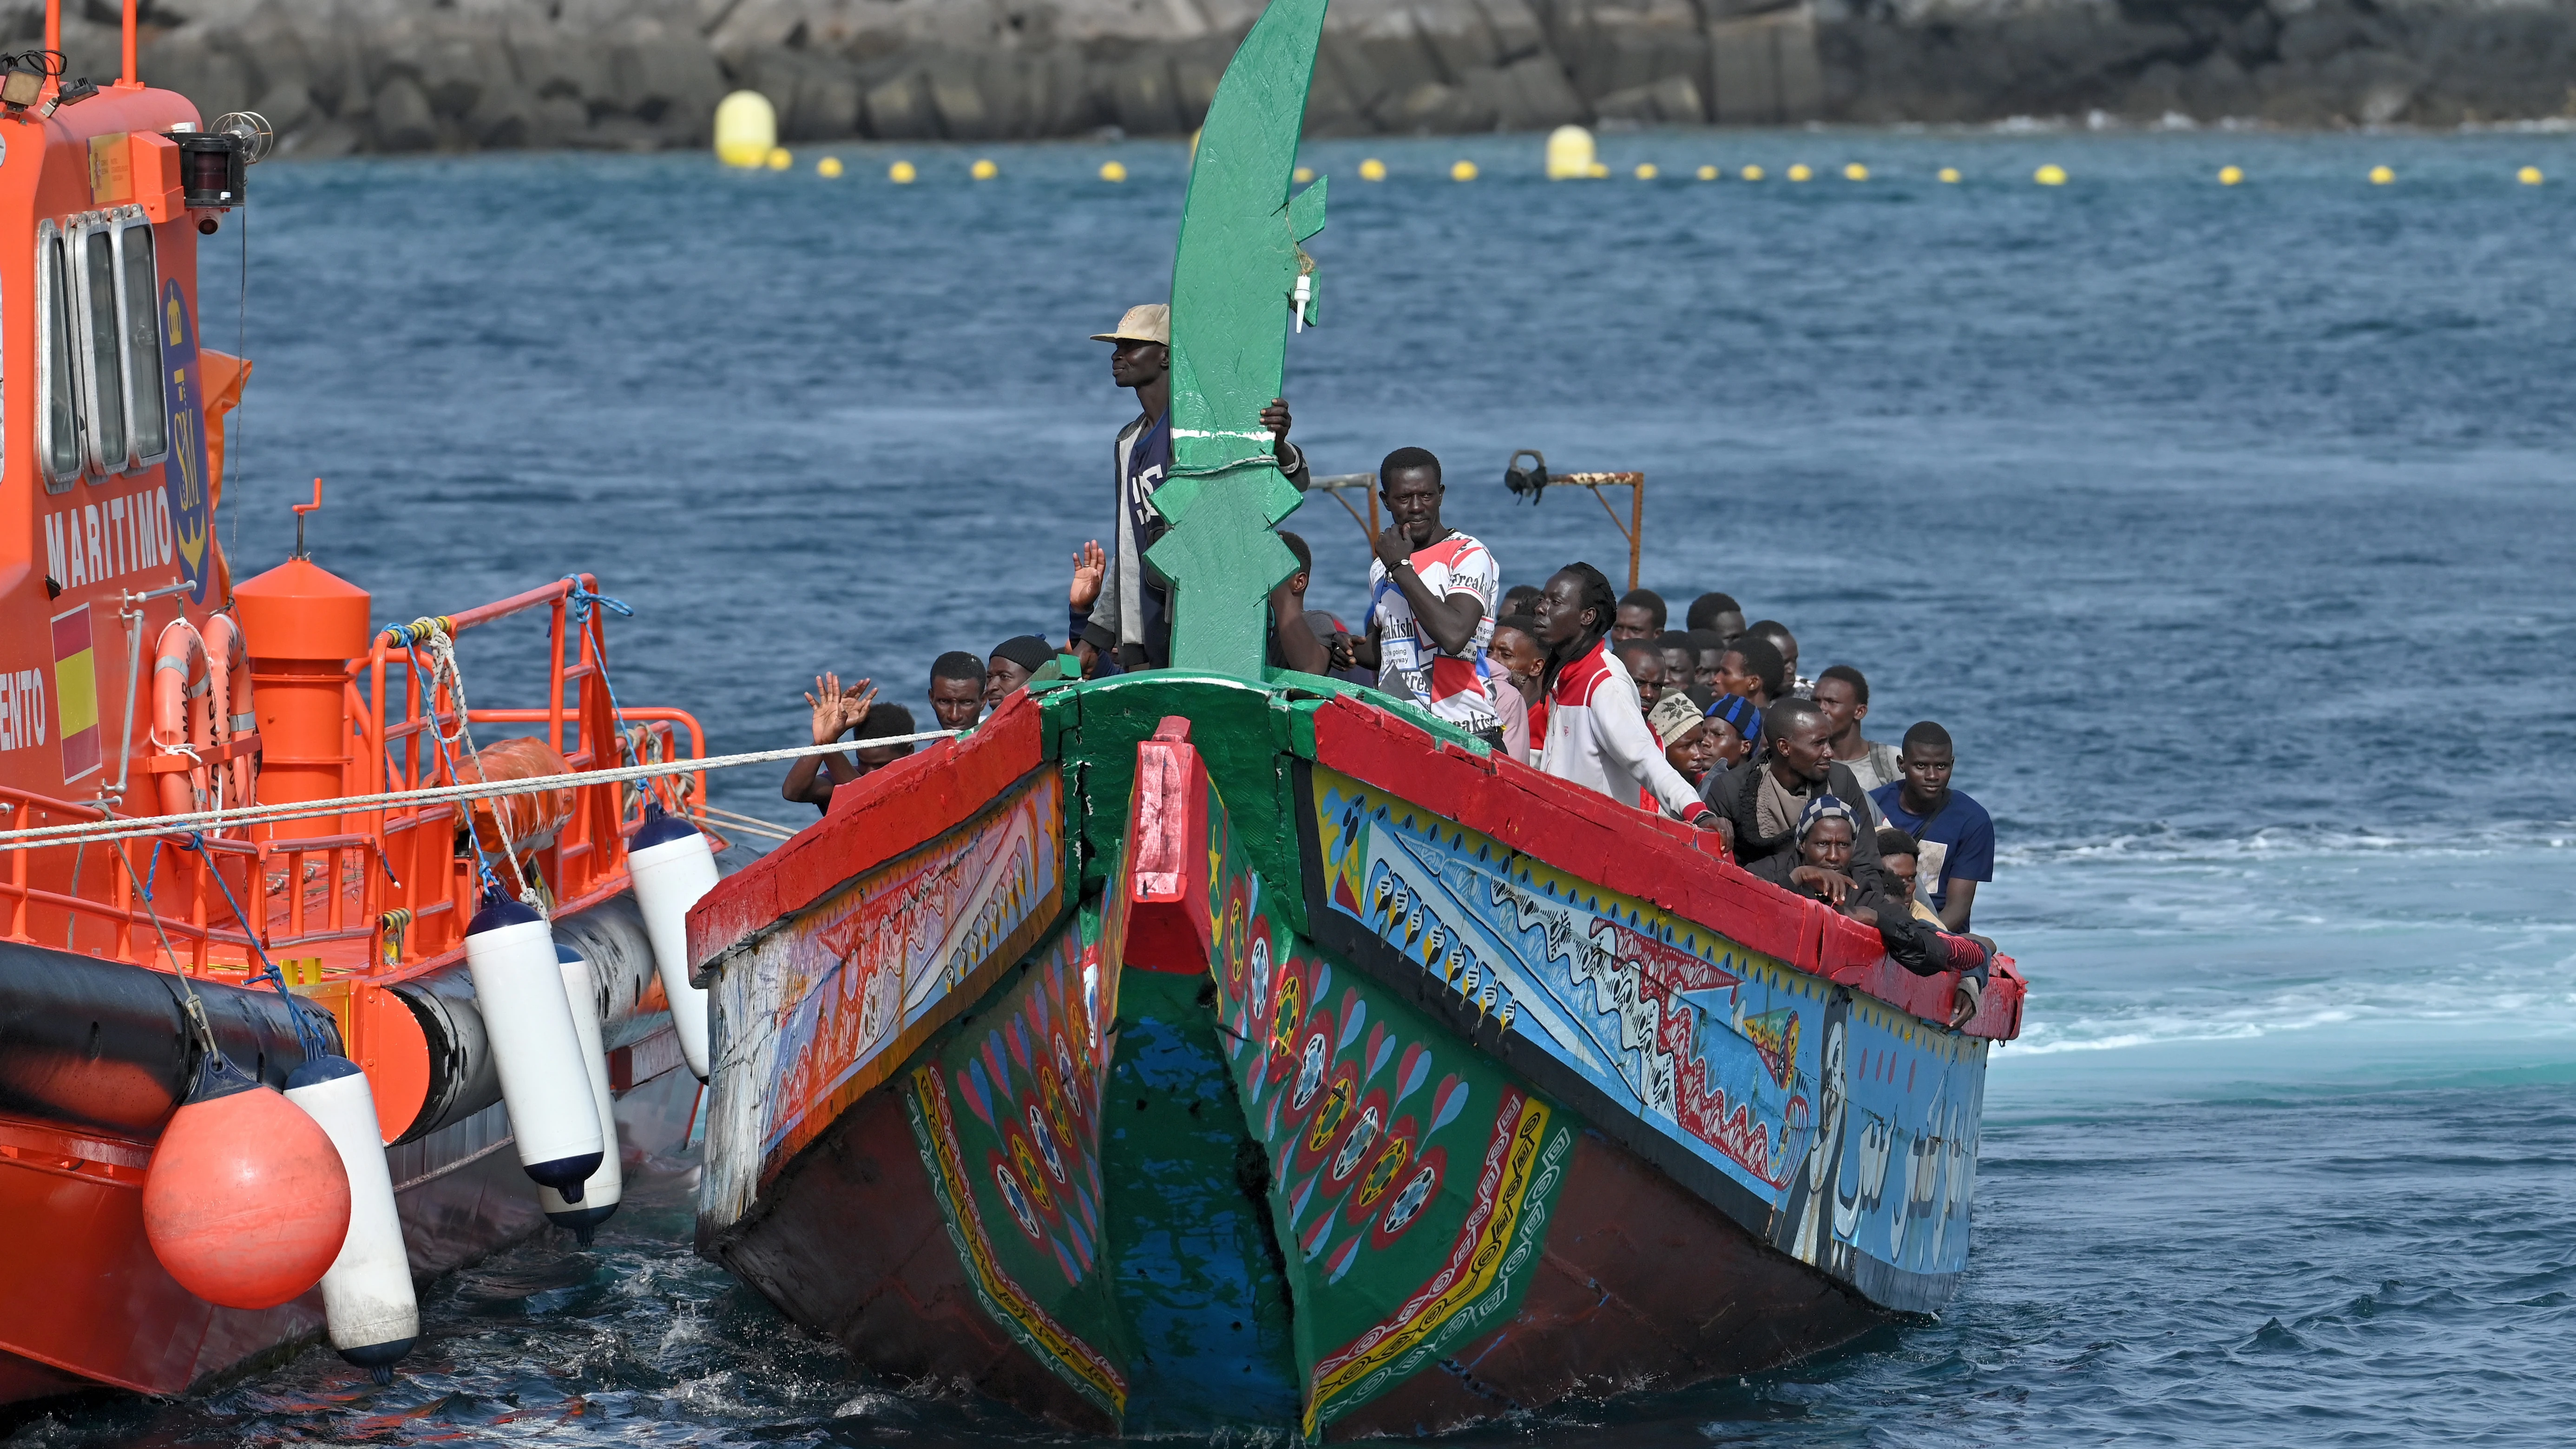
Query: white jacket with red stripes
(1597,737)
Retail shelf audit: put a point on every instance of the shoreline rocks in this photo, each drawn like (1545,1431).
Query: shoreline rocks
(339,76)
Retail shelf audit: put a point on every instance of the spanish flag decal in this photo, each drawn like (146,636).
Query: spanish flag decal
(76,694)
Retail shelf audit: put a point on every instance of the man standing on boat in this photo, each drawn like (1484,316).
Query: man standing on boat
(1432,591)
(1131,621)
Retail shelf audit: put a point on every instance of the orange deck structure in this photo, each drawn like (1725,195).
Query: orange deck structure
(111,583)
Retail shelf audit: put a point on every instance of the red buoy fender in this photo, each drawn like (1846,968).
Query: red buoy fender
(246,1202)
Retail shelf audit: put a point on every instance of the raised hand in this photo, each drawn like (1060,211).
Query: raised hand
(837,709)
(1090,563)
(1275,418)
(855,701)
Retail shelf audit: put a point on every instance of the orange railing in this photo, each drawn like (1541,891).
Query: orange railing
(401,880)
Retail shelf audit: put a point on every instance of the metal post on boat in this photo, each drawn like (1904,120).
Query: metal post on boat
(129,77)
(131,611)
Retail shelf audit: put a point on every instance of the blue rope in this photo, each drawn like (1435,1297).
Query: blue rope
(580,600)
(307,1034)
(578,604)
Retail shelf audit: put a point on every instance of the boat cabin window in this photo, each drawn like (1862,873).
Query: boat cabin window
(138,298)
(105,392)
(58,442)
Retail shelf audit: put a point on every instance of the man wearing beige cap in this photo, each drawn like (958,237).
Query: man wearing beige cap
(1131,620)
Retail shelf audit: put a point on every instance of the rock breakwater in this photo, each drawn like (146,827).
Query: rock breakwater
(337,76)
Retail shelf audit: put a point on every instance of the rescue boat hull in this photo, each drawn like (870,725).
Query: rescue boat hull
(1179,1055)
(93,1057)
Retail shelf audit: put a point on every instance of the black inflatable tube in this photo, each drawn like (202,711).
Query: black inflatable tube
(463,1078)
(108,1046)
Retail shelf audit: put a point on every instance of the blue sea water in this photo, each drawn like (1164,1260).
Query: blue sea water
(2226,528)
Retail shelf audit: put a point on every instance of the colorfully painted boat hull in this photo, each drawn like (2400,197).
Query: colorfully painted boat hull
(1182,1054)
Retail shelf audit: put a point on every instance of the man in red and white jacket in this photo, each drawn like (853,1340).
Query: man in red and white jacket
(1596,731)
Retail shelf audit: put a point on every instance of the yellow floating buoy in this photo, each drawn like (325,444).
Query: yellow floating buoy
(1799,172)
(1708,173)
(1855,172)
(1752,173)
(1462,171)
(2051,174)
(746,129)
(780,159)
(2229,175)
(2381,176)
(1597,170)
(1304,174)
(1113,171)
(2528,176)
(1949,175)
(983,169)
(902,173)
(1646,171)
(1570,154)
(1372,169)
(828,166)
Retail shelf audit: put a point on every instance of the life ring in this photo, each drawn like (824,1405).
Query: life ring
(183,716)
(235,716)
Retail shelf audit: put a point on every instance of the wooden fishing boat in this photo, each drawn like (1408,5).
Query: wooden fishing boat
(1225,1048)
(276,692)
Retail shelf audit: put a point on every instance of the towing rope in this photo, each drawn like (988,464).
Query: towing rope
(135,828)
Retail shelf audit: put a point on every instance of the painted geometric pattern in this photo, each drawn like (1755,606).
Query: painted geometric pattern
(827,1006)
(1717,1049)
(1411,1177)
(1006,1113)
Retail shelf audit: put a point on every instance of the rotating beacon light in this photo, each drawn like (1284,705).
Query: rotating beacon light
(214,163)
(510,951)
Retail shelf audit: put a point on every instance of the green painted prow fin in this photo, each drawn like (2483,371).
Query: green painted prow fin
(1234,274)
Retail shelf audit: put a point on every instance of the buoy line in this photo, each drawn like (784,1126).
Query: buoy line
(136,827)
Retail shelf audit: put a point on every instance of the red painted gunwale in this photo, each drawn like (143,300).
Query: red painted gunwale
(1673,865)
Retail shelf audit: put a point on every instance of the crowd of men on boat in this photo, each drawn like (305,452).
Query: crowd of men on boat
(1710,723)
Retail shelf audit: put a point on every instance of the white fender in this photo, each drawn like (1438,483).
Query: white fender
(518,986)
(600,1195)
(672,867)
(367,1296)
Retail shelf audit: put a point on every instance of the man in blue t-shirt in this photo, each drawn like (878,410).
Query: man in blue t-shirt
(1958,836)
